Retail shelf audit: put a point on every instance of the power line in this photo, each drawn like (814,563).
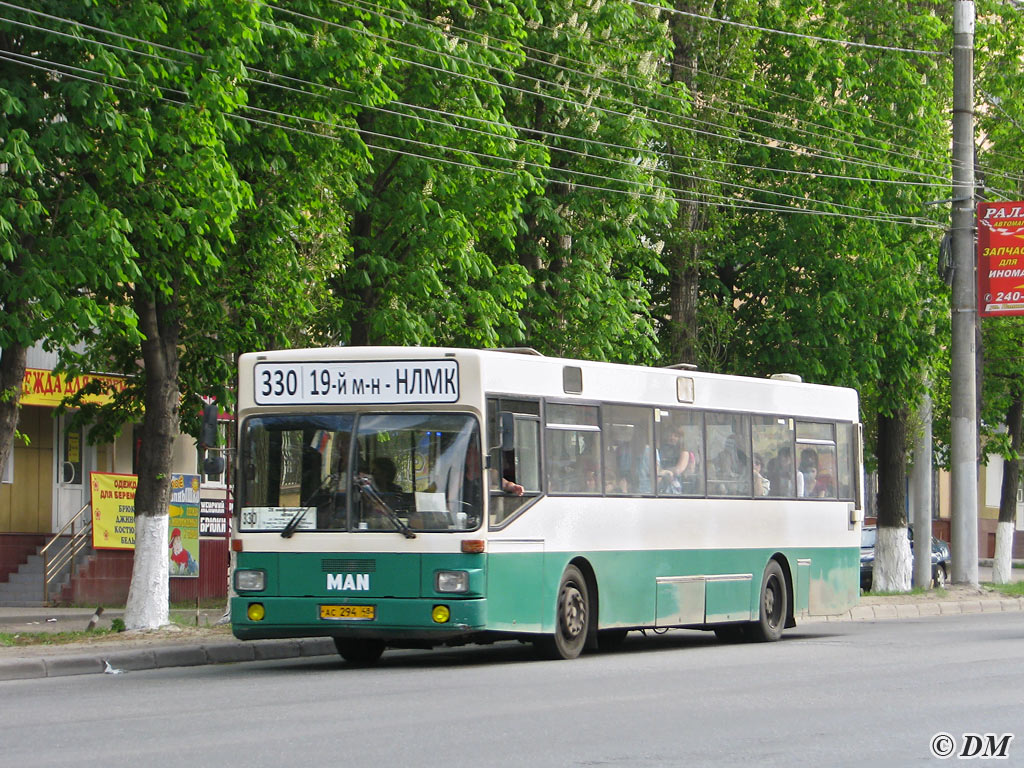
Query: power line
(815,38)
(432,25)
(796,147)
(735,203)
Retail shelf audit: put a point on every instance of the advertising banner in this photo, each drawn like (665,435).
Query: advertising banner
(1000,259)
(41,387)
(113,510)
(213,520)
(184,526)
(113,518)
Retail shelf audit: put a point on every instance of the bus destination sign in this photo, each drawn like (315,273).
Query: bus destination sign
(357,383)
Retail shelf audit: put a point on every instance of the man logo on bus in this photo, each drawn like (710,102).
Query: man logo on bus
(357,582)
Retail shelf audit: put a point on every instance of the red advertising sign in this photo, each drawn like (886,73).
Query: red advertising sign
(1000,259)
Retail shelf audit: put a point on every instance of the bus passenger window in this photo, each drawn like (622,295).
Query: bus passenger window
(629,458)
(816,473)
(846,455)
(730,468)
(518,467)
(680,455)
(773,444)
(573,443)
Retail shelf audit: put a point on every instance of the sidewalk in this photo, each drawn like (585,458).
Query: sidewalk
(181,645)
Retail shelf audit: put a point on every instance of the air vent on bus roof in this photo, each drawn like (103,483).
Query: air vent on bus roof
(682,367)
(785,377)
(572,380)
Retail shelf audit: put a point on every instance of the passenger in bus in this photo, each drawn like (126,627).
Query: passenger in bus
(761,483)
(781,473)
(824,488)
(808,471)
(676,464)
(383,471)
(730,466)
(508,483)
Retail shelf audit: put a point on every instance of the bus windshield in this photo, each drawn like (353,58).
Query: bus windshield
(365,472)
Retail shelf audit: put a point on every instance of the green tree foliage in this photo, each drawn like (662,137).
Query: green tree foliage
(587,96)
(58,240)
(444,175)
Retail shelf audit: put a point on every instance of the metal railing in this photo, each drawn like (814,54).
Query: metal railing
(63,556)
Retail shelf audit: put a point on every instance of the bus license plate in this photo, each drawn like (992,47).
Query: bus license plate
(348,612)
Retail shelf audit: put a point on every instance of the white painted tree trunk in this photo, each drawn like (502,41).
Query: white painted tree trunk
(148,597)
(893,561)
(1002,564)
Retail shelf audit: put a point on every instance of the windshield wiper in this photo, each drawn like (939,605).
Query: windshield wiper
(365,487)
(291,526)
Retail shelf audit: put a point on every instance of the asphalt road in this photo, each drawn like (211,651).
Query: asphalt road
(830,694)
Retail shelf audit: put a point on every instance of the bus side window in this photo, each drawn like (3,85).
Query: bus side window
(629,458)
(573,446)
(730,466)
(845,460)
(514,456)
(773,447)
(816,448)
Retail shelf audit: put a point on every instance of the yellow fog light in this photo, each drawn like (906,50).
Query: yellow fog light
(256,612)
(440,614)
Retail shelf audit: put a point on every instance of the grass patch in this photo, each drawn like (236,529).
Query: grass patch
(914,591)
(1016,589)
(15,639)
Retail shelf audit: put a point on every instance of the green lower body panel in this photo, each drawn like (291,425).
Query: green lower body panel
(516,593)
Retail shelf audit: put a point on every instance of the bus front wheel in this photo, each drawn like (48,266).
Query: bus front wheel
(358,651)
(774,605)
(572,619)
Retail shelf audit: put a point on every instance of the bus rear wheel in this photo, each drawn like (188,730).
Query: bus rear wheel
(572,619)
(774,605)
(359,651)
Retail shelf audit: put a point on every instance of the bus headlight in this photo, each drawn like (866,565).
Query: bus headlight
(250,581)
(451,581)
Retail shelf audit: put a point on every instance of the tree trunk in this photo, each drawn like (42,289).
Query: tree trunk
(147,606)
(682,257)
(893,558)
(12,373)
(1008,495)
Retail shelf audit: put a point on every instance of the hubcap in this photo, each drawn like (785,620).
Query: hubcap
(770,596)
(573,611)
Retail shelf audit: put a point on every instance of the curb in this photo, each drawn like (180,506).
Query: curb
(918,610)
(183,655)
(161,657)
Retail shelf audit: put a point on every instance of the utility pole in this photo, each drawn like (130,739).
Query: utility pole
(964,321)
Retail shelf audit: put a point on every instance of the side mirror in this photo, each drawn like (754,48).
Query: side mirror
(508,431)
(213,466)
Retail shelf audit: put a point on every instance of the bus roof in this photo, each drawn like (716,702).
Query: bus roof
(515,373)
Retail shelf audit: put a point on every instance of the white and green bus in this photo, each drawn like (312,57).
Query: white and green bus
(396,497)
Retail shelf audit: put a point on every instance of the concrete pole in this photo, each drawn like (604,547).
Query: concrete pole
(964,446)
(921,485)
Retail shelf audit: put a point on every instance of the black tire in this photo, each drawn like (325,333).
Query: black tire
(572,618)
(358,651)
(939,576)
(773,605)
(611,639)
